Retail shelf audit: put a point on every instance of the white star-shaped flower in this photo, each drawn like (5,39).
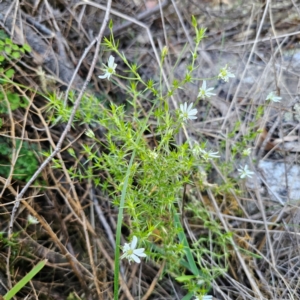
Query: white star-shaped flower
(245,172)
(272,97)
(131,253)
(206,155)
(110,69)
(187,112)
(32,220)
(225,74)
(204,92)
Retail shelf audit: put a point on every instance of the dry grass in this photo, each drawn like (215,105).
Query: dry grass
(258,39)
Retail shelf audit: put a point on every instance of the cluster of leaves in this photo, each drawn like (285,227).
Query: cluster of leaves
(26,163)
(10,51)
(59,110)
(13,100)
(8,242)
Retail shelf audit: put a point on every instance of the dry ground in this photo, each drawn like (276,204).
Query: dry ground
(260,42)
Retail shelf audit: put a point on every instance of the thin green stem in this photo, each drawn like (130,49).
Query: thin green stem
(119,226)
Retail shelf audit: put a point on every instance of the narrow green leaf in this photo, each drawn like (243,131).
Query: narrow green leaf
(194,21)
(25,280)
(185,278)
(111,24)
(188,253)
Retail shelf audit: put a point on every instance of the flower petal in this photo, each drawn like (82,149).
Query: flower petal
(126,247)
(135,258)
(140,252)
(111,61)
(193,111)
(103,76)
(134,242)
(189,109)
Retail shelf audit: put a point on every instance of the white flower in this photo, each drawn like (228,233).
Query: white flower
(198,150)
(245,172)
(246,152)
(225,74)
(109,69)
(131,253)
(208,155)
(32,220)
(272,97)
(153,154)
(204,92)
(207,297)
(187,113)
(297,112)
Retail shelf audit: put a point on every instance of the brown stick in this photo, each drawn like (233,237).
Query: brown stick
(153,283)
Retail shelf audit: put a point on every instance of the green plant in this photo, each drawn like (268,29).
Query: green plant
(25,165)
(146,176)
(13,100)
(9,51)
(8,242)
